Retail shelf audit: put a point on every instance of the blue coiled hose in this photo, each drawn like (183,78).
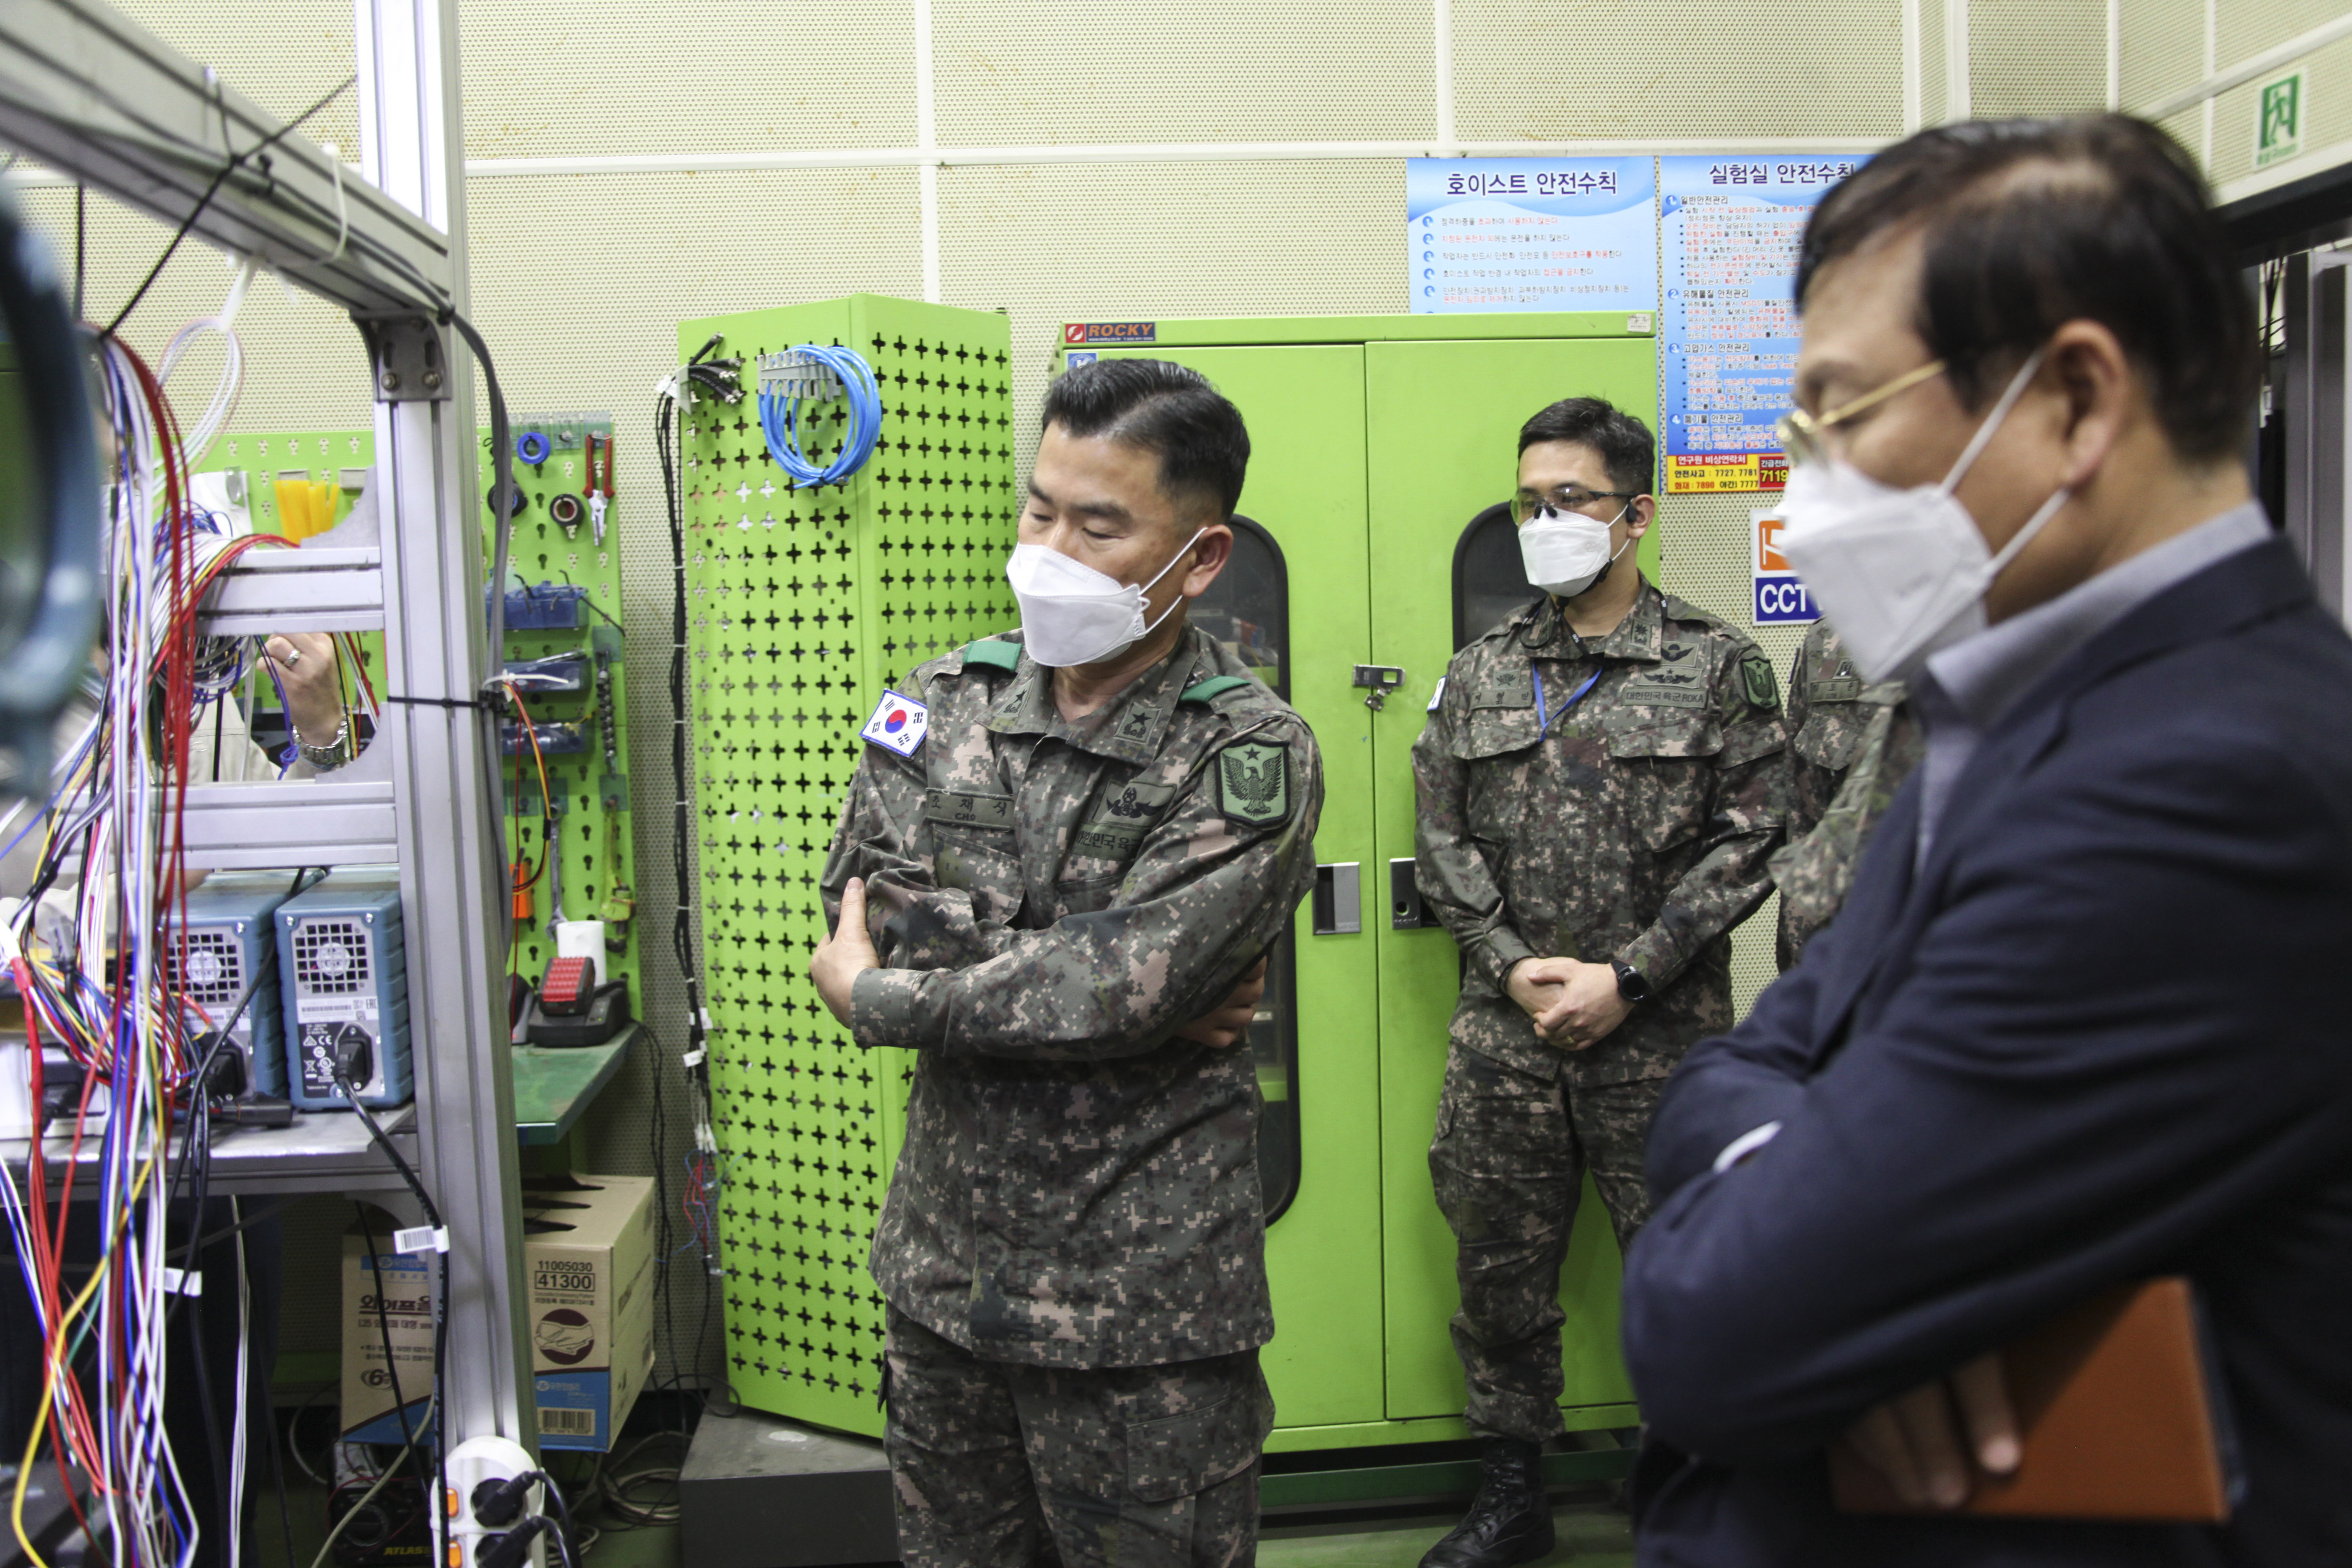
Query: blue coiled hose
(779,420)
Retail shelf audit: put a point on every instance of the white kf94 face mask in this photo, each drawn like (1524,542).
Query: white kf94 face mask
(1072,614)
(1564,552)
(1901,574)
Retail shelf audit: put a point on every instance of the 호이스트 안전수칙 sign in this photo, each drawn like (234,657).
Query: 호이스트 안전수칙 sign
(1531,234)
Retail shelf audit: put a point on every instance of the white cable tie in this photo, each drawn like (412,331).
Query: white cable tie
(707,1025)
(181,1281)
(245,267)
(343,209)
(421,1239)
(695,1058)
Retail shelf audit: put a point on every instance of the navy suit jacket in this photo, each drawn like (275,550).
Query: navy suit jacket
(2104,1032)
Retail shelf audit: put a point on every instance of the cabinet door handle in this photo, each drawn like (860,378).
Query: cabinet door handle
(1339,898)
(1406,911)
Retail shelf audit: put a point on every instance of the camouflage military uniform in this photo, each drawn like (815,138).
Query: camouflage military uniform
(1634,826)
(1078,1191)
(1852,747)
(1003,1465)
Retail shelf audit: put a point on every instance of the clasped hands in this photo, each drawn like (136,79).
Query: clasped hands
(848,952)
(1573,1004)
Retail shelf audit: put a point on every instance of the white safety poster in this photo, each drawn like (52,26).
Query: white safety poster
(1532,234)
(1727,345)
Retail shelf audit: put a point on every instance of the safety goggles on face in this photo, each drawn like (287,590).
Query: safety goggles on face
(1805,436)
(1561,497)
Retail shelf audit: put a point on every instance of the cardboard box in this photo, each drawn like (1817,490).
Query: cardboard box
(407,1291)
(588,1255)
(588,1268)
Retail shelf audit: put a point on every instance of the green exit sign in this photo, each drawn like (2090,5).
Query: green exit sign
(2278,122)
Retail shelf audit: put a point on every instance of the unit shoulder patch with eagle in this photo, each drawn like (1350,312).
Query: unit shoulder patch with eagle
(1253,782)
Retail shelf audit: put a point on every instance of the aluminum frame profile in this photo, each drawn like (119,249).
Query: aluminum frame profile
(452,872)
(91,95)
(306,590)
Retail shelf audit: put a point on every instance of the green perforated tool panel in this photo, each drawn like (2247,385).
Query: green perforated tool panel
(597,858)
(802,606)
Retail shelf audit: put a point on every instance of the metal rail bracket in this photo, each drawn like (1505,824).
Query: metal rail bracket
(408,354)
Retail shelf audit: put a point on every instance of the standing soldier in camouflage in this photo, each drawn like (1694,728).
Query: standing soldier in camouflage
(1060,846)
(1600,782)
(1852,747)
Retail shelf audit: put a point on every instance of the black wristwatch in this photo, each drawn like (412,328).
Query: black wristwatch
(1631,985)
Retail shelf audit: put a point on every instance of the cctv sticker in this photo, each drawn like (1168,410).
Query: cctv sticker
(1780,598)
(898,725)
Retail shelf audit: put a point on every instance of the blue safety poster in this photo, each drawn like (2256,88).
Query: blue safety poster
(1532,234)
(1728,344)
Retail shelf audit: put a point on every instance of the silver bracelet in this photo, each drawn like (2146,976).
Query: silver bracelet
(332,755)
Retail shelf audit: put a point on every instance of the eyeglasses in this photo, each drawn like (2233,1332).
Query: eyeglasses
(1803,435)
(1561,497)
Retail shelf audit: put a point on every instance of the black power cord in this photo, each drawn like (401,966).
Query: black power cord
(341,1070)
(500,1503)
(236,161)
(720,379)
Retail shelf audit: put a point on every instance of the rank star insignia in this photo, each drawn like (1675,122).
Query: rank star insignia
(1254,784)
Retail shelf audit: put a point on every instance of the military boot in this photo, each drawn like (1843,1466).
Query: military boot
(1510,1518)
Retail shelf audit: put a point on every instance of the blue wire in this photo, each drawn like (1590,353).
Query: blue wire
(779,420)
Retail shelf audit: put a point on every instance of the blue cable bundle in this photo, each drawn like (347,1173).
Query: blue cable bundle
(780,416)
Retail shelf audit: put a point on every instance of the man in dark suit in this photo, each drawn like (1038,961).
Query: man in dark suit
(2087,1016)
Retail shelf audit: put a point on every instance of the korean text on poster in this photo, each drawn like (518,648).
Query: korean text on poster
(1532,234)
(1729,343)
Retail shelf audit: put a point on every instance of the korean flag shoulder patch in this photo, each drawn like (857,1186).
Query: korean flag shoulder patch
(899,724)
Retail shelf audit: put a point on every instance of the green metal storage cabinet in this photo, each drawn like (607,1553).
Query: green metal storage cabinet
(1375,444)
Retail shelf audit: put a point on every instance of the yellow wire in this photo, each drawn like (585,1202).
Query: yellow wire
(40,1422)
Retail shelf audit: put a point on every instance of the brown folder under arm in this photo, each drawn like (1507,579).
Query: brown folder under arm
(2118,1418)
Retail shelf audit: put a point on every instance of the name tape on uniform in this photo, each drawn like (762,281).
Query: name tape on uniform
(899,724)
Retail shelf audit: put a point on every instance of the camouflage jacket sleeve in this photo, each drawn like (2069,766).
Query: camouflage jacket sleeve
(1202,899)
(1453,876)
(1794,702)
(1745,821)
(878,839)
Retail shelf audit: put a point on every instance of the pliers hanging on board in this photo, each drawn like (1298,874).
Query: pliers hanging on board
(598,499)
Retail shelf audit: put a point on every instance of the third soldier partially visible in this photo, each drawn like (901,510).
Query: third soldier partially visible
(1600,782)
(1852,746)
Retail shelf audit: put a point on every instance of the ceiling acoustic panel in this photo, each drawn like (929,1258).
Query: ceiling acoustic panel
(1146,241)
(1024,73)
(2037,57)
(550,79)
(1551,71)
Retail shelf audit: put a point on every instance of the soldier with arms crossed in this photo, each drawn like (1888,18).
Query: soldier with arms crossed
(1059,893)
(1598,784)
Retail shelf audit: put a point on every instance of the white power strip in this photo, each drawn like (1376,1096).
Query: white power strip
(472,1462)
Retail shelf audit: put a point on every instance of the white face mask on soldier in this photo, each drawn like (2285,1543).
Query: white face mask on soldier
(1564,552)
(1072,614)
(1901,574)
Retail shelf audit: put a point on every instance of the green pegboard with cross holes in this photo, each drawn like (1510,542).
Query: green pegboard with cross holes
(802,606)
(554,546)
(597,858)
